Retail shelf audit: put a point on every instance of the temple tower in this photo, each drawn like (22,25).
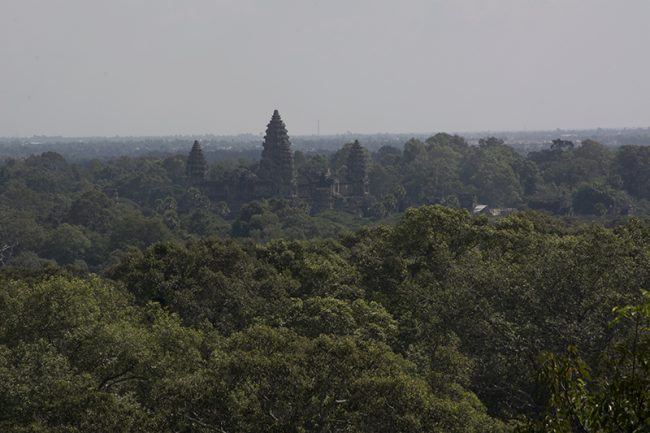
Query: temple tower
(196,165)
(277,158)
(357,170)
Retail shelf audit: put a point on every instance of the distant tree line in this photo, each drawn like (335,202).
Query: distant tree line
(87,213)
(589,179)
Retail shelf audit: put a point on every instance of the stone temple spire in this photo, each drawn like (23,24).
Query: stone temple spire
(357,170)
(196,165)
(277,158)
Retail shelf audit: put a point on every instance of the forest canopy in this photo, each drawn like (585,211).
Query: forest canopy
(130,302)
(86,213)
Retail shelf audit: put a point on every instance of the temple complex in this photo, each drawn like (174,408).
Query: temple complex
(276,177)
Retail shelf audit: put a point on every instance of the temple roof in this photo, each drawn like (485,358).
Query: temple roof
(196,164)
(277,157)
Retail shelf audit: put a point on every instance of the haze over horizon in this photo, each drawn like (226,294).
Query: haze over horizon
(154,67)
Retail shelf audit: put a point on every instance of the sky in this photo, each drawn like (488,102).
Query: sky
(168,67)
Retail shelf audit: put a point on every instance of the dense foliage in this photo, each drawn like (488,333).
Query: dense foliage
(87,213)
(132,303)
(438,323)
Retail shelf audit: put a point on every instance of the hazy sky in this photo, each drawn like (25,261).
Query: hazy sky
(158,67)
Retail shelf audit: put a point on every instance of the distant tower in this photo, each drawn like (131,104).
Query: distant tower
(196,165)
(277,158)
(357,170)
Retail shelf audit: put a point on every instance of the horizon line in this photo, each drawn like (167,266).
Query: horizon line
(322,135)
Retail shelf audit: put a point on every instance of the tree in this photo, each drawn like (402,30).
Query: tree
(92,210)
(561,145)
(66,244)
(75,355)
(266,379)
(413,149)
(614,399)
(599,200)
(632,165)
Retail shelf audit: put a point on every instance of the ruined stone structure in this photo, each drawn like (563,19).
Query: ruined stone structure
(277,165)
(276,177)
(196,166)
(357,171)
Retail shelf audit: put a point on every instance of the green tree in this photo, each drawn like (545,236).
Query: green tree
(66,244)
(632,165)
(75,355)
(92,210)
(611,399)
